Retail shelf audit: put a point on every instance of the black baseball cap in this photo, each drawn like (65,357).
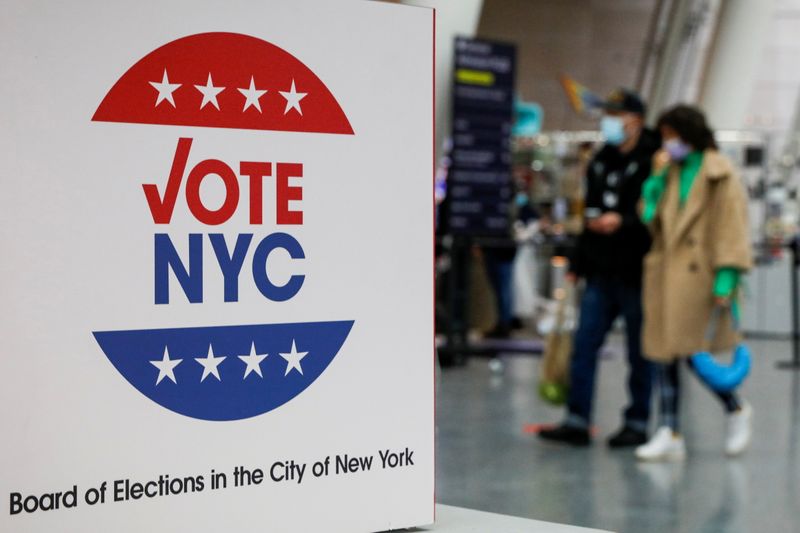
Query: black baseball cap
(624,100)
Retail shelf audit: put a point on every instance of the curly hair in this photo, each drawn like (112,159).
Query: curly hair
(690,124)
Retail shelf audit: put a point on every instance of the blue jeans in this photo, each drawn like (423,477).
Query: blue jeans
(668,377)
(603,301)
(499,272)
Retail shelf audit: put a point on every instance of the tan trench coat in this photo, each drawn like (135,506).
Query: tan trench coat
(689,245)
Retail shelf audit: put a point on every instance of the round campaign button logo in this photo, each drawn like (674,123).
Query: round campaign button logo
(221,371)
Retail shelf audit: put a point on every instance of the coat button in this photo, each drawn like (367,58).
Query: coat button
(693,267)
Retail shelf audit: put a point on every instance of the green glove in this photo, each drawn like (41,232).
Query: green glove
(725,282)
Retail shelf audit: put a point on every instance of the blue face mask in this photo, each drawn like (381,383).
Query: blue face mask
(677,150)
(521,199)
(613,129)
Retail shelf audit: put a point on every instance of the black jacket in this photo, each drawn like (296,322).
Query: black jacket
(614,183)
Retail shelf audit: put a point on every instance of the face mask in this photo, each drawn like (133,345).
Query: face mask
(677,149)
(521,199)
(613,129)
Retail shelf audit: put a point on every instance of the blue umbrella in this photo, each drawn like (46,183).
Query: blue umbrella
(718,376)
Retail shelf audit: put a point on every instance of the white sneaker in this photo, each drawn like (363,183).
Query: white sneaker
(664,445)
(740,431)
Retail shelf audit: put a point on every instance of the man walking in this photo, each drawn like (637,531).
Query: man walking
(609,256)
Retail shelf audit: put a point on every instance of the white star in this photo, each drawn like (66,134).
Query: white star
(293,359)
(210,364)
(293,99)
(252,95)
(209,93)
(166,367)
(165,89)
(253,362)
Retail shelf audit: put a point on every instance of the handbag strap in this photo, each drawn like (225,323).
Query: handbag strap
(716,316)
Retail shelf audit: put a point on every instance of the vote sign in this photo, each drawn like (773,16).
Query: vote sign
(217,273)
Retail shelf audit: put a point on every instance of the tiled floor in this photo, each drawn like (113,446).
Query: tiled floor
(487,461)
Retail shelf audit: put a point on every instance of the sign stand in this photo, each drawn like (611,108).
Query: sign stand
(202,274)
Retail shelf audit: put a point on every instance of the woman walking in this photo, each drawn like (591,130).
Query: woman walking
(696,207)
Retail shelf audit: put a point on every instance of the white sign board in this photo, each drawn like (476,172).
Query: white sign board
(217,266)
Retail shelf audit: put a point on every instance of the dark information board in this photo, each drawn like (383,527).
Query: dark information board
(479,181)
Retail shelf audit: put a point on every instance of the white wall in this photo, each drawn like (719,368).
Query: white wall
(733,68)
(773,98)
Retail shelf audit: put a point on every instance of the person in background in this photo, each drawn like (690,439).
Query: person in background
(696,207)
(499,260)
(527,229)
(609,256)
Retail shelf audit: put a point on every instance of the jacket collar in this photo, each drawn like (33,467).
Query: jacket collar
(715,167)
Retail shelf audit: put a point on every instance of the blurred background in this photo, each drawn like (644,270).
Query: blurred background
(519,88)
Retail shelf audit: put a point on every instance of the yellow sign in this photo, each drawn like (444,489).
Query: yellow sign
(475,77)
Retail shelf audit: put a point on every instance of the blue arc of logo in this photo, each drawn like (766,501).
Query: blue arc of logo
(232,388)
